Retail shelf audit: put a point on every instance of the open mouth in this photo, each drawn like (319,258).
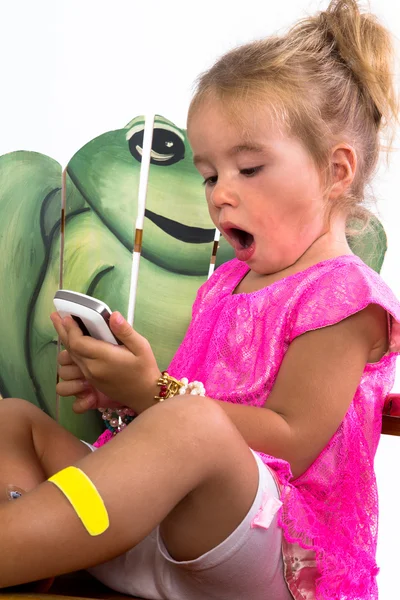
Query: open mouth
(242,241)
(239,237)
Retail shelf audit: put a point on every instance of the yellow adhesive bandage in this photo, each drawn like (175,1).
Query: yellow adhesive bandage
(84,498)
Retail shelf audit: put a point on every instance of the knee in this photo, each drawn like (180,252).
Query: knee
(17,407)
(197,418)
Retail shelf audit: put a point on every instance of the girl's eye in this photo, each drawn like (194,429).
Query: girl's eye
(210,180)
(246,172)
(251,172)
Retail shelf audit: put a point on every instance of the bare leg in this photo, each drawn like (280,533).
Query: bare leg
(182,458)
(32,446)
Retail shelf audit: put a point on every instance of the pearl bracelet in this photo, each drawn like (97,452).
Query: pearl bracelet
(194,388)
(117,419)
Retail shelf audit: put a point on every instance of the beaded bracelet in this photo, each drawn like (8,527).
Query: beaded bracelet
(117,419)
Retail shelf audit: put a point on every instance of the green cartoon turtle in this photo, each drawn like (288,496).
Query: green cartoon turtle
(94,242)
(101,185)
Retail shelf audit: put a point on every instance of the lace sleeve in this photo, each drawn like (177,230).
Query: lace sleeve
(340,293)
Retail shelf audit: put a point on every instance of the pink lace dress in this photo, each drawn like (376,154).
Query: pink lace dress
(235,345)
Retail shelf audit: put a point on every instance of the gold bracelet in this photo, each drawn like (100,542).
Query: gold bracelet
(169,386)
(174,387)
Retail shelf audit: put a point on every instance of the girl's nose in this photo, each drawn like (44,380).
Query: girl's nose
(223,195)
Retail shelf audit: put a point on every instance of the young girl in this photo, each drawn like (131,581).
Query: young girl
(264,487)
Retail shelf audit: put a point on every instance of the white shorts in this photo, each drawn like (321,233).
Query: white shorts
(246,566)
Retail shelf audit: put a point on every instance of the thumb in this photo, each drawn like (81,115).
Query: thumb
(123,331)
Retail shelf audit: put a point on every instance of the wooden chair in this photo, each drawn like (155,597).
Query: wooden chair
(391,415)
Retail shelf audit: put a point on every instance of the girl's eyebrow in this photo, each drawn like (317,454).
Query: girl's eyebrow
(237,150)
(246,148)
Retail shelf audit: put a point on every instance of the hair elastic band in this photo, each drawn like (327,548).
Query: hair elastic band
(84,498)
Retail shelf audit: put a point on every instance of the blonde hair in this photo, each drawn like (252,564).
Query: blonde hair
(328,80)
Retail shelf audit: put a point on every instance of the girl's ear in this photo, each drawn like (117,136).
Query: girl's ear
(344,165)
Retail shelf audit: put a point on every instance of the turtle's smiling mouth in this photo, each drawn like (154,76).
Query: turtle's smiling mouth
(184,233)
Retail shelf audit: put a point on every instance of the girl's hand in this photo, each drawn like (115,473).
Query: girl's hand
(128,374)
(74,384)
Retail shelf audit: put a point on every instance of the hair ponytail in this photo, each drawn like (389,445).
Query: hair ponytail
(366,49)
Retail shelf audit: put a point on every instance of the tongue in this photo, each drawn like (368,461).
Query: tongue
(243,244)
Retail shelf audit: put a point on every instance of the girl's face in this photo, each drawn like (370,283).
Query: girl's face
(263,191)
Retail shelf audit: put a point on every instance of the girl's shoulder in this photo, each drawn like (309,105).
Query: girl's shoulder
(346,280)
(337,288)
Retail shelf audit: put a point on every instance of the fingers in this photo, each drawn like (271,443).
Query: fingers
(83,345)
(69,372)
(84,402)
(72,388)
(77,344)
(126,334)
(59,327)
(67,329)
(64,358)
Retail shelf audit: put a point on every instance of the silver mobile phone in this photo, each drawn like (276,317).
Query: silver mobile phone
(92,315)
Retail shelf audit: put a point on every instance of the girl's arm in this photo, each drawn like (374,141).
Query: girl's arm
(314,388)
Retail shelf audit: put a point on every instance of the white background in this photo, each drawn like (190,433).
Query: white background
(74,69)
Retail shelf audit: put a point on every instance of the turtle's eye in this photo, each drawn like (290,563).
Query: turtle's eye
(167,147)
